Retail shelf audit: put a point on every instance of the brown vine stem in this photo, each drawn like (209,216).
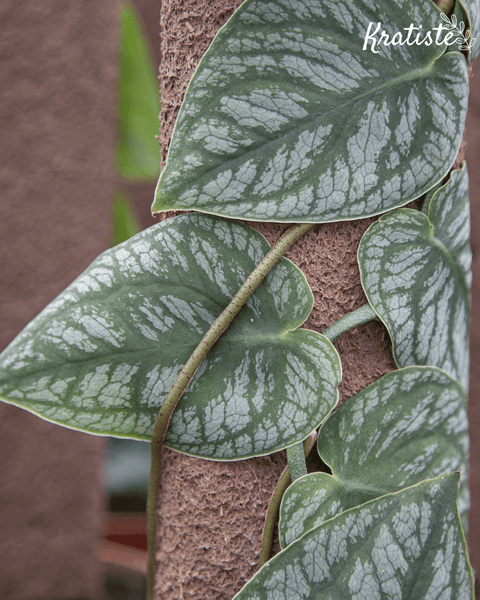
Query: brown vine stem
(282,485)
(361,315)
(166,411)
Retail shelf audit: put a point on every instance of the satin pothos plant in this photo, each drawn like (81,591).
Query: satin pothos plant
(189,333)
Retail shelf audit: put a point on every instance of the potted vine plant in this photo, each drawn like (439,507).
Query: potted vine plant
(189,333)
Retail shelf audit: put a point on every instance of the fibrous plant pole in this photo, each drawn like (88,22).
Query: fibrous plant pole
(224,504)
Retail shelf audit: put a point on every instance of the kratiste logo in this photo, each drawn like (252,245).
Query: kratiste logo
(449,32)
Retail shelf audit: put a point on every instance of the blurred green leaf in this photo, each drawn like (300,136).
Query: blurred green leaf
(125,223)
(137,154)
(128,467)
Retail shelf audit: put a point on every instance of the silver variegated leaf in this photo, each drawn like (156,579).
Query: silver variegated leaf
(297,113)
(408,426)
(261,389)
(406,545)
(102,356)
(413,282)
(448,210)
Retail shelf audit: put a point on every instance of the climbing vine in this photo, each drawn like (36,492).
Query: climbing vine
(296,114)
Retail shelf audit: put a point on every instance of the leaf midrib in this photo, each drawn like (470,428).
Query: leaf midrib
(103,358)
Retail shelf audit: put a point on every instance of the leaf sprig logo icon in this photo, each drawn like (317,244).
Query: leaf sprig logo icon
(464,38)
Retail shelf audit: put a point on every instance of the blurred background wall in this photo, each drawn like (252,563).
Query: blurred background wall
(57,119)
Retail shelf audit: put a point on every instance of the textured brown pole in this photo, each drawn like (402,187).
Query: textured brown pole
(57,117)
(211,514)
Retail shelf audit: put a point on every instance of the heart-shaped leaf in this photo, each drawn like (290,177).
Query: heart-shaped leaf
(448,210)
(408,426)
(298,113)
(103,356)
(413,282)
(261,390)
(403,545)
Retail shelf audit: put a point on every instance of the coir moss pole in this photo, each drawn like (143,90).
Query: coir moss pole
(211,514)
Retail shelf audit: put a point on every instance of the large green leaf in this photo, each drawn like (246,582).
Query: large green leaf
(103,356)
(414,274)
(289,118)
(137,154)
(408,426)
(124,220)
(407,545)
